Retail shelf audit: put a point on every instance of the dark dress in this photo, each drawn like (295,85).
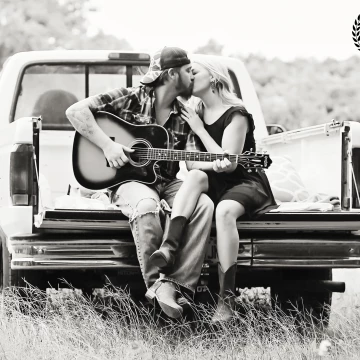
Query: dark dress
(251,189)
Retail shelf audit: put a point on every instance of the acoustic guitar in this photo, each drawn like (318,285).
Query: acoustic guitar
(150,142)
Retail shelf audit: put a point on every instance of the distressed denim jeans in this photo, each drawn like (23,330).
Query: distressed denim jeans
(141,204)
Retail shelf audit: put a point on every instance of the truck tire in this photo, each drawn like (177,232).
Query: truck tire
(313,307)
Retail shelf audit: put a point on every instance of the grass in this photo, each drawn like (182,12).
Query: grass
(69,326)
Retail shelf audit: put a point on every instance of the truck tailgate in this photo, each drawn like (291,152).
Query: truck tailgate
(114,220)
(83,220)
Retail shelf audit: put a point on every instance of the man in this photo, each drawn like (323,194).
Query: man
(169,76)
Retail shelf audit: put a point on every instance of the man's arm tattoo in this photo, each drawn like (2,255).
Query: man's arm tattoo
(82,120)
(81,116)
(86,122)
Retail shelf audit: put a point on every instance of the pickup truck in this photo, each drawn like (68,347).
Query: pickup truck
(45,239)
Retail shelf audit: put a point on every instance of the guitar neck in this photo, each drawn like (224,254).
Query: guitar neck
(181,155)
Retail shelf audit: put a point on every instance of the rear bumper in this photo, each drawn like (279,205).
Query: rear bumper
(72,251)
(333,251)
(276,250)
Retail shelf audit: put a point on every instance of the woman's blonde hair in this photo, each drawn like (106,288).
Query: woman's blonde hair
(222,81)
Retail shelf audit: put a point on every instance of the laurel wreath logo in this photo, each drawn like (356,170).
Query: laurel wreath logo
(356,32)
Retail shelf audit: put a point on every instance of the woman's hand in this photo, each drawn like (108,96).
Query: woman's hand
(225,165)
(192,118)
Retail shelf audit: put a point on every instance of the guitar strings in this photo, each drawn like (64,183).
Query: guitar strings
(159,154)
(153,151)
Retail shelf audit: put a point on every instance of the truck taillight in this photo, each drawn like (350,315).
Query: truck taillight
(21,174)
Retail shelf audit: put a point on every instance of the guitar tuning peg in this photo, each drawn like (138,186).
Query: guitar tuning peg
(249,171)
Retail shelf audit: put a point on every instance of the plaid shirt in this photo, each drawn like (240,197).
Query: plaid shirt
(136,106)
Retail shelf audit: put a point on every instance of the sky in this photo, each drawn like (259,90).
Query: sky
(272,28)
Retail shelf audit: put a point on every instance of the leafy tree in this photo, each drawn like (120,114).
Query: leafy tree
(212,47)
(303,92)
(306,92)
(48,24)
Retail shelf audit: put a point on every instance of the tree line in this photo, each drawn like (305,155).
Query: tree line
(50,24)
(299,93)
(302,92)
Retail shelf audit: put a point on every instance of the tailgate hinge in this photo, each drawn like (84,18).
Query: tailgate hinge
(332,125)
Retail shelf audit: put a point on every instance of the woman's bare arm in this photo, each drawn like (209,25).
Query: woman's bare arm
(233,141)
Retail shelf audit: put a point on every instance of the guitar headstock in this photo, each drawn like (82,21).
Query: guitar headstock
(251,160)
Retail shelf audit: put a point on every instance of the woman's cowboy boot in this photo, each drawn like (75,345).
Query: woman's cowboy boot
(225,306)
(165,293)
(165,256)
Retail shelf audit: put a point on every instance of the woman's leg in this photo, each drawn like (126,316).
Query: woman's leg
(188,195)
(183,206)
(227,235)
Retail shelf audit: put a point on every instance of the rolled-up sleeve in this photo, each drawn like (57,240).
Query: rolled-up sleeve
(112,101)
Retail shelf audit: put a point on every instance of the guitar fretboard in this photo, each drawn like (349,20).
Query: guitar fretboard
(181,155)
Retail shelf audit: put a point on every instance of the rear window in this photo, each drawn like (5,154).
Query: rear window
(48,90)
(103,78)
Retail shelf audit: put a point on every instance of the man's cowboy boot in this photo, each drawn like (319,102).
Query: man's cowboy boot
(225,306)
(184,302)
(165,293)
(165,256)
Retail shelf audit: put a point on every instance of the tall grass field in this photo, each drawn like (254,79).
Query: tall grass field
(67,325)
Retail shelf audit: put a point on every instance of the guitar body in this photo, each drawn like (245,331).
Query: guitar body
(90,166)
(150,144)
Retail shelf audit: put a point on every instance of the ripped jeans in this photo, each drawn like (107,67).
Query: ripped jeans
(141,204)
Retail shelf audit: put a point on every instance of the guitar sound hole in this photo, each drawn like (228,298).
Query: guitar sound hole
(139,156)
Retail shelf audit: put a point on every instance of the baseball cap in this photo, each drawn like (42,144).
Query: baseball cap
(166,58)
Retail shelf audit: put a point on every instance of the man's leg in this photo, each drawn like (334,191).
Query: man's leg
(190,256)
(141,204)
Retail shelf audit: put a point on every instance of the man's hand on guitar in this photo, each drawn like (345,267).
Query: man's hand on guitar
(116,154)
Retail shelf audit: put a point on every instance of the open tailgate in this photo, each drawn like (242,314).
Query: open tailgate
(114,220)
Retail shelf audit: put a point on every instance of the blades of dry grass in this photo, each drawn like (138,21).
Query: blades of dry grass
(67,325)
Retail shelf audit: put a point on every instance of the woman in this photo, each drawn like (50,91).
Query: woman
(220,122)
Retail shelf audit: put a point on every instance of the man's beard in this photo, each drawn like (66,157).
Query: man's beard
(184,92)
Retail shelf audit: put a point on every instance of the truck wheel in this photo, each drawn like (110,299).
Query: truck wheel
(313,307)
(87,293)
